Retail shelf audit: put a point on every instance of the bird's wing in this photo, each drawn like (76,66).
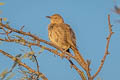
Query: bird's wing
(70,35)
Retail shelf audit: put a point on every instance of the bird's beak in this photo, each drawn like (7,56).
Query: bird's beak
(48,16)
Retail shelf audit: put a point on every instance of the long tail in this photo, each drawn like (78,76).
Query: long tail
(79,58)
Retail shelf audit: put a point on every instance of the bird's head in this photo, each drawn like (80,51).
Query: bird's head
(56,19)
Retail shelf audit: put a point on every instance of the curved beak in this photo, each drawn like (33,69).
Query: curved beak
(48,16)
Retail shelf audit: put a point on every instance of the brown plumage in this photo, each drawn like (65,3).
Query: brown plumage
(60,33)
(63,36)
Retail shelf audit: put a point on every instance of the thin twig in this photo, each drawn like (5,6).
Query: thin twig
(106,49)
(22,64)
(35,58)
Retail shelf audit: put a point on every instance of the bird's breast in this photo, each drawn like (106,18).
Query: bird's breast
(57,35)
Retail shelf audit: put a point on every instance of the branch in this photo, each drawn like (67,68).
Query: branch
(26,43)
(34,37)
(31,35)
(51,50)
(35,61)
(106,49)
(24,65)
(81,73)
(78,58)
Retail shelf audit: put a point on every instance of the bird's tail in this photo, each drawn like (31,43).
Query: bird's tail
(79,58)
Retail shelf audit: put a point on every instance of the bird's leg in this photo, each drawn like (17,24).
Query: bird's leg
(63,54)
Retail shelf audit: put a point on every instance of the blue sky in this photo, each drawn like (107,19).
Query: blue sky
(88,18)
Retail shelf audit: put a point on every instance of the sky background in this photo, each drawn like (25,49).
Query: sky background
(88,19)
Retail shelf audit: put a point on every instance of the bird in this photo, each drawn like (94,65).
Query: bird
(62,35)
